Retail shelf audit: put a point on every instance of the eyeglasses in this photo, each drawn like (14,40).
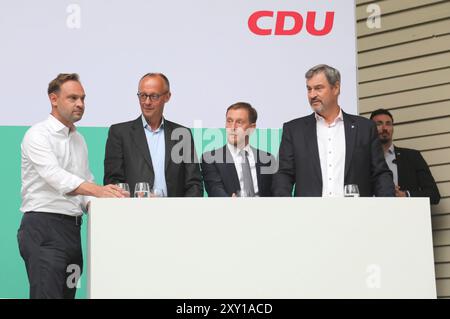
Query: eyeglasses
(153,97)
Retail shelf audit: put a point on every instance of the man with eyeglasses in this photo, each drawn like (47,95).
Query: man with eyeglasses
(412,177)
(151,148)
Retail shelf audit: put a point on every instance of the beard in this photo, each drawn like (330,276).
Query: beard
(384,138)
(318,107)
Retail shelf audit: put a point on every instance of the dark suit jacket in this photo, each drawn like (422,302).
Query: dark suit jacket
(414,175)
(127,159)
(299,161)
(220,176)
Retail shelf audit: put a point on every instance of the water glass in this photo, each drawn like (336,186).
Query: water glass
(351,190)
(142,190)
(125,187)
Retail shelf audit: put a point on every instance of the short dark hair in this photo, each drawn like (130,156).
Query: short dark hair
(55,85)
(382,112)
(154,74)
(252,114)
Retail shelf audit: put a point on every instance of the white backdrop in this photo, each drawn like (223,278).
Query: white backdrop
(205,47)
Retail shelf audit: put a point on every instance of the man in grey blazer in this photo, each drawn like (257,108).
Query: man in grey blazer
(152,149)
(322,152)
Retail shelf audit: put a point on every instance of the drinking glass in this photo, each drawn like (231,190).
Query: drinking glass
(124,187)
(351,190)
(142,190)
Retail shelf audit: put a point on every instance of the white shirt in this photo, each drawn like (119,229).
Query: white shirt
(54,163)
(390,158)
(331,143)
(239,159)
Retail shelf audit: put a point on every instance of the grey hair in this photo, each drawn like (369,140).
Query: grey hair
(333,76)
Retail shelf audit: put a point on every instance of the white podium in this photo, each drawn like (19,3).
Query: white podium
(260,248)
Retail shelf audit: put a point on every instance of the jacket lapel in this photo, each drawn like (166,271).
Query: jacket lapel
(350,136)
(139,139)
(168,143)
(258,167)
(399,163)
(230,169)
(311,142)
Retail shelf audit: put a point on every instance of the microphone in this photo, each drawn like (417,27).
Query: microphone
(394,161)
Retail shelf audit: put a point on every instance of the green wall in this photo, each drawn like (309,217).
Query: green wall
(13,276)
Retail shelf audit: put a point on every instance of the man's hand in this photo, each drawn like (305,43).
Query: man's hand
(399,193)
(95,190)
(111,191)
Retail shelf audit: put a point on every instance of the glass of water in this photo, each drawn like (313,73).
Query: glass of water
(142,190)
(124,187)
(351,190)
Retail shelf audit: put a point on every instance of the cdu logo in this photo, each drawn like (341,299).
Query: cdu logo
(296,19)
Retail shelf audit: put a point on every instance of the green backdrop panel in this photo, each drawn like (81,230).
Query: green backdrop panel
(13,276)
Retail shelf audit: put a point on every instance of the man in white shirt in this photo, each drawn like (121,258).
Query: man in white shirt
(56,189)
(322,152)
(238,168)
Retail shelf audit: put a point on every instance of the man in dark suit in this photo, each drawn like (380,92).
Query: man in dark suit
(328,149)
(412,177)
(152,149)
(237,166)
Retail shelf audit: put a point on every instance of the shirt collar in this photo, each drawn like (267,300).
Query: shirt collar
(391,149)
(147,126)
(321,119)
(235,151)
(57,126)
